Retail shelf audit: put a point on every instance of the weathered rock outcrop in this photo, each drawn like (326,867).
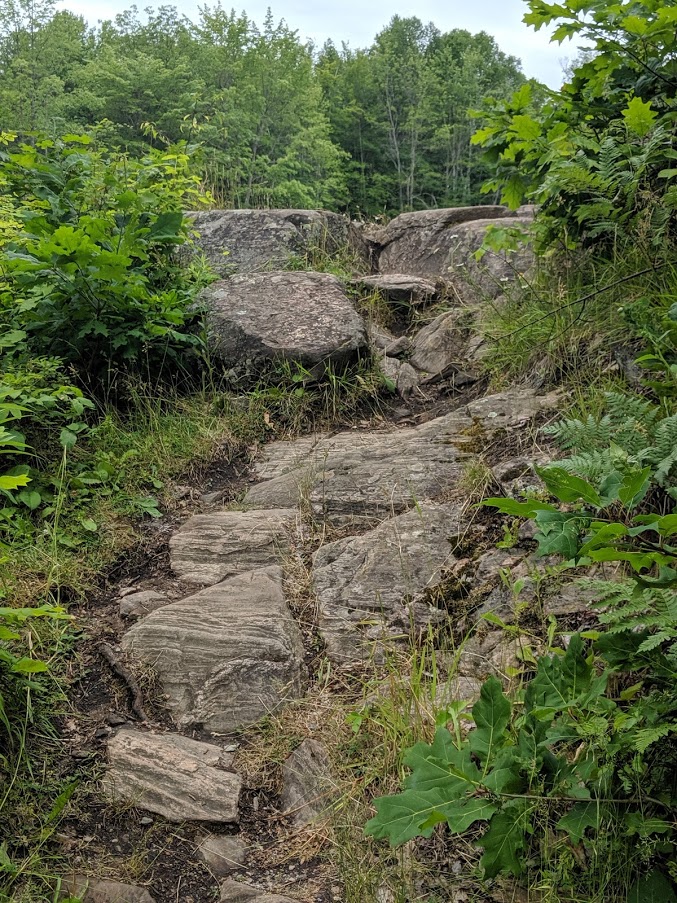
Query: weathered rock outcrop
(247,241)
(304,317)
(371,586)
(419,243)
(210,547)
(227,655)
(171,775)
(362,477)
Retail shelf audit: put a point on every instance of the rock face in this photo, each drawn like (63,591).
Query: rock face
(400,288)
(248,241)
(305,317)
(226,655)
(102,890)
(362,478)
(370,586)
(210,547)
(420,243)
(307,783)
(171,775)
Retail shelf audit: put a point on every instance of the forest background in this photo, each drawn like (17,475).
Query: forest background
(372,131)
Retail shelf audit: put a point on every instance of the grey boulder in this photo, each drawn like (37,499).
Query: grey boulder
(421,242)
(173,776)
(210,547)
(373,589)
(441,343)
(137,605)
(294,316)
(252,240)
(227,655)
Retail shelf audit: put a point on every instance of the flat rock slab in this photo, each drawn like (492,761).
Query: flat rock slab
(174,776)
(227,655)
(511,409)
(293,316)
(361,477)
(371,588)
(251,240)
(103,890)
(211,547)
(307,785)
(236,892)
(400,288)
(421,243)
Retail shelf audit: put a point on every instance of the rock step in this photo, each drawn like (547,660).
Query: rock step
(227,655)
(173,776)
(209,548)
(370,588)
(362,477)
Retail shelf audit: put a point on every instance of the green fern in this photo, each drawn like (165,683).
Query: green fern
(632,430)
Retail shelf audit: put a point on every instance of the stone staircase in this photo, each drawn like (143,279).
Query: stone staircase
(227,648)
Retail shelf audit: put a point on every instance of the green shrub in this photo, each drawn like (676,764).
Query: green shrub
(92,276)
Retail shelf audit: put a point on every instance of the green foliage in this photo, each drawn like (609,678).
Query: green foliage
(598,155)
(557,765)
(633,432)
(91,276)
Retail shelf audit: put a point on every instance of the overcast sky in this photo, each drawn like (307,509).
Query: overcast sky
(358,21)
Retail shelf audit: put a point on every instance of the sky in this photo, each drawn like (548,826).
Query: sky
(357,22)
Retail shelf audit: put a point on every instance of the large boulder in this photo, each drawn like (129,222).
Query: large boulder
(419,243)
(371,588)
(173,776)
(210,547)
(227,655)
(398,288)
(248,241)
(294,316)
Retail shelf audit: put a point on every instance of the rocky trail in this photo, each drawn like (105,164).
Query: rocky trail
(282,581)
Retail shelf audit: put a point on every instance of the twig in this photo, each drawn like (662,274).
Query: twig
(125,674)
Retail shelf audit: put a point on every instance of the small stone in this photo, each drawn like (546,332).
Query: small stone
(172,776)
(223,854)
(236,892)
(307,783)
(115,719)
(102,890)
(137,605)
(146,820)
